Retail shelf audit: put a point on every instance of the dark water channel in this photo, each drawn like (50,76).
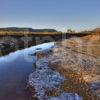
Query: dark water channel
(14,71)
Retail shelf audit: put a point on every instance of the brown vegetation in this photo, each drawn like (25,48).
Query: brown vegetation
(74,83)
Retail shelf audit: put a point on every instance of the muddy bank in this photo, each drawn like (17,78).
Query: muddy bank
(64,74)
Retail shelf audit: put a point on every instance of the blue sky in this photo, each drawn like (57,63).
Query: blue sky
(58,14)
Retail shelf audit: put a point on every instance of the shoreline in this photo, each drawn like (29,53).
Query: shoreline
(45,83)
(10,42)
(75,83)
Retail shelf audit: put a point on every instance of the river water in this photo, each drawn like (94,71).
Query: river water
(14,71)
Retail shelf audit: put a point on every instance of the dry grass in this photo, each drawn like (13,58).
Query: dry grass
(74,83)
(27,33)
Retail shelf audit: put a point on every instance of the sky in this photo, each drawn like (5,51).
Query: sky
(55,14)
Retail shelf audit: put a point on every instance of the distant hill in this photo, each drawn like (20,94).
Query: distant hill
(15,29)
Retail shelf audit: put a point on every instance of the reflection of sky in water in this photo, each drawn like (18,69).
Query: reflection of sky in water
(14,71)
(24,53)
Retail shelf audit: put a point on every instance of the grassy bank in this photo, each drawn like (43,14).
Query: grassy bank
(12,41)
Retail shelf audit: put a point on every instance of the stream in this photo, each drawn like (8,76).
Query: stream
(14,71)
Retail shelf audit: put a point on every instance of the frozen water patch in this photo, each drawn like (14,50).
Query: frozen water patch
(67,96)
(44,78)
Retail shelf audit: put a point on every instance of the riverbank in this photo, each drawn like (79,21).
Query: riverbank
(13,39)
(45,82)
(14,71)
(66,73)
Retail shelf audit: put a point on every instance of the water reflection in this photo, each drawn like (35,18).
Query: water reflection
(14,71)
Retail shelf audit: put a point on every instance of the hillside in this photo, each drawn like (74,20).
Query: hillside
(15,29)
(25,31)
